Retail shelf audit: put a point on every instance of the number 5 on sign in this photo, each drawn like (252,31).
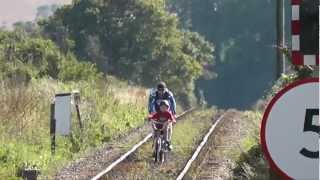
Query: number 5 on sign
(308,126)
(290,131)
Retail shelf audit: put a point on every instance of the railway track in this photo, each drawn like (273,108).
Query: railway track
(199,148)
(216,162)
(182,171)
(133,149)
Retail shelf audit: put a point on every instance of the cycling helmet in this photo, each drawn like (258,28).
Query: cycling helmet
(161,85)
(164,102)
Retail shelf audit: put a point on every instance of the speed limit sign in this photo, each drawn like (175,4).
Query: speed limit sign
(290,131)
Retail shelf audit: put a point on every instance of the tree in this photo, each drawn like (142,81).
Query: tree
(23,57)
(244,36)
(135,40)
(46,11)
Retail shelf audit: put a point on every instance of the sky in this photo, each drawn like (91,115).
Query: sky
(12,11)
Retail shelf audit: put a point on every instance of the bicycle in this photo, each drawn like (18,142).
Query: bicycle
(159,142)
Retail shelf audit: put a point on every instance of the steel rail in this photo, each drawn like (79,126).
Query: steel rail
(199,148)
(132,150)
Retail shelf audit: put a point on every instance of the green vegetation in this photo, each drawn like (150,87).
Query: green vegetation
(188,133)
(32,71)
(25,122)
(138,41)
(110,50)
(88,46)
(250,162)
(244,46)
(23,57)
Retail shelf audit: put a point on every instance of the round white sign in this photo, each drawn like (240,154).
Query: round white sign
(290,131)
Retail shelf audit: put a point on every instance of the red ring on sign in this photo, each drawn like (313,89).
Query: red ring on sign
(265,150)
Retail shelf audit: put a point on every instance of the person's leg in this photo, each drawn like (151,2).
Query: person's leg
(169,133)
(154,135)
(166,132)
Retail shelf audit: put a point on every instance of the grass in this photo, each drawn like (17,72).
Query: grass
(187,133)
(251,128)
(233,152)
(249,161)
(24,121)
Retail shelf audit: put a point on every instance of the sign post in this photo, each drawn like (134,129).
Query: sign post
(76,101)
(52,129)
(290,131)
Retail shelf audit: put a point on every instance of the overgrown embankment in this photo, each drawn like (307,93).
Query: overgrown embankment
(229,149)
(250,162)
(33,70)
(108,109)
(235,152)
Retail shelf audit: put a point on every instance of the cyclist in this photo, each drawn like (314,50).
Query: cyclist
(161,93)
(166,117)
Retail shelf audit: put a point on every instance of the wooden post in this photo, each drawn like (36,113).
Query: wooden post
(52,129)
(80,122)
(79,117)
(77,100)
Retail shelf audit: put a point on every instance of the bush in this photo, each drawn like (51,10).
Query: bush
(23,58)
(24,122)
(250,163)
(72,70)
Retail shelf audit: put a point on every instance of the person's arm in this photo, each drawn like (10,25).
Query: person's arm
(171,117)
(154,116)
(172,103)
(151,107)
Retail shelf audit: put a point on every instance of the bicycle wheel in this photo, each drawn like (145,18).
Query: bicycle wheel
(157,156)
(163,152)
(162,156)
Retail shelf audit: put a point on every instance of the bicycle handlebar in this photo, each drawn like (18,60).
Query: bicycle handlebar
(154,122)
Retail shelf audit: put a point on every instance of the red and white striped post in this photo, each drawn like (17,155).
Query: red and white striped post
(298,57)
